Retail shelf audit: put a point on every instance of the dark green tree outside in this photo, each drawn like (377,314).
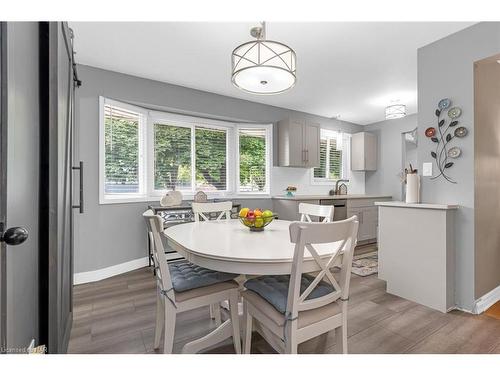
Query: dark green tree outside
(122,151)
(252,162)
(173,157)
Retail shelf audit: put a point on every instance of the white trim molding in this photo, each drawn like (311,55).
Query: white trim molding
(486,301)
(104,273)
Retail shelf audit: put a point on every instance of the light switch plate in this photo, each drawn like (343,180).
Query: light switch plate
(427,169)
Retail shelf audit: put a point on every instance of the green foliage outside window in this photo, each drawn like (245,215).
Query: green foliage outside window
(252,162)
(121,151)
(172,157)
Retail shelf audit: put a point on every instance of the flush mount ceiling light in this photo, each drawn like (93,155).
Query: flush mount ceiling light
(395,111)
(263,66)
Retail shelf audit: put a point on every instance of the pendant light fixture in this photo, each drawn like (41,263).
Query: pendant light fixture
(395,111)
(262,66)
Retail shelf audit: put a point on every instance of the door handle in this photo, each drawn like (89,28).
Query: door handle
(14,235)
(80,168)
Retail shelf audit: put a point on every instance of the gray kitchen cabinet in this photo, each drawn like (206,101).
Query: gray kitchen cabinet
(289,209)
(298,143)
(367,217)
(367,214)
(364,152)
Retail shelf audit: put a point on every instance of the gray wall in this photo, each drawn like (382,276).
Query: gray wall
(386,180)
(22,182)
(111,234)
(445,70)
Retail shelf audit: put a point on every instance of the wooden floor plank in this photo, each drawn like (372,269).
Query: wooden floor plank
(494,311)
(117,315)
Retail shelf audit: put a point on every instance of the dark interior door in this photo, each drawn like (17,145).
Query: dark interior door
(19,166)
(56,188)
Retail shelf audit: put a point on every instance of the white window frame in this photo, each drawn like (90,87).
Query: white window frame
(269,162)
(346,157)
(142,160)
(192,123)
(147,193)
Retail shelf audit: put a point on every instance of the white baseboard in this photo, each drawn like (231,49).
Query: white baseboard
(486,301)
(104,273)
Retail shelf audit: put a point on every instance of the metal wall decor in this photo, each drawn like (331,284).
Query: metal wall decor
(442,135)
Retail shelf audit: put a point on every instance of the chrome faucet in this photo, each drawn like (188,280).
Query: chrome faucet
(337,186)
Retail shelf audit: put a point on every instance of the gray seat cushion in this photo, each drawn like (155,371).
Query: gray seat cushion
(274,289)
(186,276)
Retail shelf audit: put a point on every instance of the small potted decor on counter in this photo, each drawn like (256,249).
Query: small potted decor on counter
(290,191)
(412,180)
(256,219)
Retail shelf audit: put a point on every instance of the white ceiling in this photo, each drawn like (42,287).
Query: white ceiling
(349,69)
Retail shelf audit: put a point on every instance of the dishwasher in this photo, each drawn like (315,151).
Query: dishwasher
(340,210)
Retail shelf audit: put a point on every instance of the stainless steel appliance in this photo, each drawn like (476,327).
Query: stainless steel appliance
(340,211)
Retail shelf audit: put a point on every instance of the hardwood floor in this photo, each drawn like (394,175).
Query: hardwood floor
(117,315)
(494,311)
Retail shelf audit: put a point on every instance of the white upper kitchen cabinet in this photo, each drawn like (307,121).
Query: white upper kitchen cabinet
(298,143)
(363,152)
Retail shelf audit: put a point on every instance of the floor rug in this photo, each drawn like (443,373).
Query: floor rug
(365,264)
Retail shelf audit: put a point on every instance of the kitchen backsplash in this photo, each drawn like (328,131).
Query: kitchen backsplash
(301,178)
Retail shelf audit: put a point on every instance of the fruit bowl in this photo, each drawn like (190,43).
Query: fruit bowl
(256,220)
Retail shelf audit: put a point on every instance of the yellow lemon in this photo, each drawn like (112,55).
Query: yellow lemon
(244,212)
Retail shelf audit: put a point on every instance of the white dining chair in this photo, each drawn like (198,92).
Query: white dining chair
(294,308)
(202,212)
(306,210)
(183,286)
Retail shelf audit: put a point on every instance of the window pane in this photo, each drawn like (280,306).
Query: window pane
(172,164)
(121,145)
(321,171)
(335,160)
(211,159)
(252,160)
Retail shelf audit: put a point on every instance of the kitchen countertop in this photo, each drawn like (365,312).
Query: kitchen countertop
(326,196)
(431,206)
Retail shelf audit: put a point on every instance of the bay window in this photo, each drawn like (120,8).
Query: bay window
(145,153)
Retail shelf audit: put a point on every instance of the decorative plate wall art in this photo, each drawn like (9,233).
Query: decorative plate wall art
(430,132)
(442,135)
(444,103)
(454,152)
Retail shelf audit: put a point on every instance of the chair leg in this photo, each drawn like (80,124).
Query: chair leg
(341,332)
(291,339)
(235,320)
(248,321)
(160,320)
(341,339)
(217,314)
(170,316)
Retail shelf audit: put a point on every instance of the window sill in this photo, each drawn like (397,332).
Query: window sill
(186,197)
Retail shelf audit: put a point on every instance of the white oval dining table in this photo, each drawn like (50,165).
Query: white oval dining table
(229,246)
